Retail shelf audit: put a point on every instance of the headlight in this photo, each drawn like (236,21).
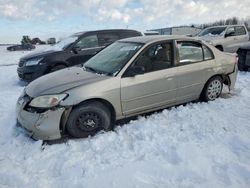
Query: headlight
(47,101)
(33,61)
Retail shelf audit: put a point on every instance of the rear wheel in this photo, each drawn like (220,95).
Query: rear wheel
(88,119)
(243,67)
(212,89)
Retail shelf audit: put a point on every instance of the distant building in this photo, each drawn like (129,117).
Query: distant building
(182,30)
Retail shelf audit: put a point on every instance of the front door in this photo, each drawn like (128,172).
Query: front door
(156,87)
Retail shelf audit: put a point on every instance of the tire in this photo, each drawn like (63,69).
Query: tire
(212,89)
(243,67)
(57,67)
(88,119)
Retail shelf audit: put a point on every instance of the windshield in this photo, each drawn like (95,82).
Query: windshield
(212,31)
(64,43)
(112,59)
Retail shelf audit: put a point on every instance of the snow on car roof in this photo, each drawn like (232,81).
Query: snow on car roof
(155,38)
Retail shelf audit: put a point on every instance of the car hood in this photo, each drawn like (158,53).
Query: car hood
(61,81)
(39,54)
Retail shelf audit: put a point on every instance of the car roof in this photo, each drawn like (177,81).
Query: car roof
(105,30)
(218,26)
(156,38)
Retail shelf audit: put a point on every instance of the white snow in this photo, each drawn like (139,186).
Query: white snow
(12,58)
(196,145)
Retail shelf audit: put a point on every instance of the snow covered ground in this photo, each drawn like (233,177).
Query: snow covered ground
(10,58)
(197,145)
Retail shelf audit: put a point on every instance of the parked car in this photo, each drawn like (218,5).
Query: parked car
(18,47)
(37,41)
(74,50)
(244,57)
(51,40)
(151,33)
(226,38)
(130,77)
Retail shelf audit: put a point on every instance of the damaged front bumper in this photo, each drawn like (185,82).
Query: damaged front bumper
(40,126)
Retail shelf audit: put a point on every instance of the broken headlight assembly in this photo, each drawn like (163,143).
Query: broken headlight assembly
(47,101)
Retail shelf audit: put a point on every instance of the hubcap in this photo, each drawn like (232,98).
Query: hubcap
(88,121)
(214,89)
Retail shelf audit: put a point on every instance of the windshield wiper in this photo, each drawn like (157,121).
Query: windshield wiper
(90,69)
(97,71)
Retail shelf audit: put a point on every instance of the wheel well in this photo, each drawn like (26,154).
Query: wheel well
(220,47)
(225,78)
(103,101)
(60,63)
(56,64)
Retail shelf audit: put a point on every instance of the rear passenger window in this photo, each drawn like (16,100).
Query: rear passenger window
(107,38)
(207,53)
(240,30)
(190,52)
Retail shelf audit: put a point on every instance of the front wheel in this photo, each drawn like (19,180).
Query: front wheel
(212,89)
(88,119)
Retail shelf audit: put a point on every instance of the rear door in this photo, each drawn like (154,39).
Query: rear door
(241,34)
(156,87)
(193,70)
(238,37)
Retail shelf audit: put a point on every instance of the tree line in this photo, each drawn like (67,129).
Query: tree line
(229,21)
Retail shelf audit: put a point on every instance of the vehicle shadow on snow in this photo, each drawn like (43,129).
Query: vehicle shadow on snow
(21,83)
(118,123)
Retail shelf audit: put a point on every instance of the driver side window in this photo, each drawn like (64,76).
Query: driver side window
(156,57)
(90,41)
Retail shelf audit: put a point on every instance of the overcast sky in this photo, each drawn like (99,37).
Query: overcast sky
(44,18)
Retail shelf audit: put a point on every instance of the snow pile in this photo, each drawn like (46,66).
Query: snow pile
(197,145)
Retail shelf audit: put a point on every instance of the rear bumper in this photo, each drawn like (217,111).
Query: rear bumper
(233,76)
(40,126)
(29,73)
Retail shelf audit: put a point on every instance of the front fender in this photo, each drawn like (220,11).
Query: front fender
(108,90)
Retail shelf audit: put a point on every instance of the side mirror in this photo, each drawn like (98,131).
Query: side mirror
(231,33)
(76,49)
(135,70)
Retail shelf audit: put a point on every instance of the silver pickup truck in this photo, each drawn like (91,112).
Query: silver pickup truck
(226,38)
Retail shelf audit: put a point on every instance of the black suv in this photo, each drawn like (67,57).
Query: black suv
(71,51)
